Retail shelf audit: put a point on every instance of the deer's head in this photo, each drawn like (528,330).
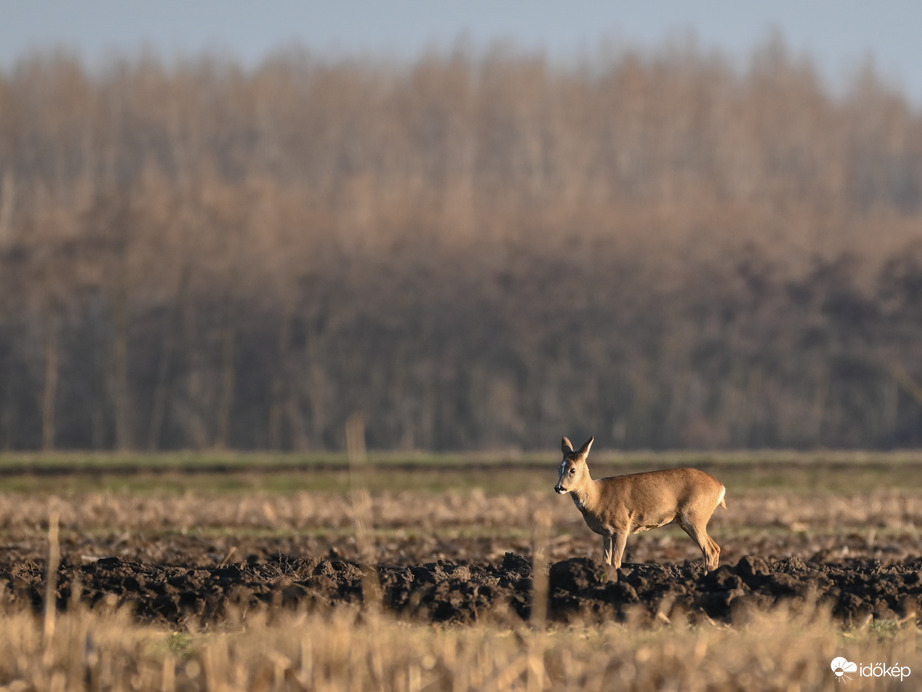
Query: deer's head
(573,468)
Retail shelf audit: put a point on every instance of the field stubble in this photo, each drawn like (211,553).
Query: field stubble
(413,526)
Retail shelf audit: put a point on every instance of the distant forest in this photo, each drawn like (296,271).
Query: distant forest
(472,250)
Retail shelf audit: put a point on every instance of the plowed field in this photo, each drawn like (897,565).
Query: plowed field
(457,556)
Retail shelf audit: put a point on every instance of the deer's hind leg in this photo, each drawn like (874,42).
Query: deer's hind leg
(697,530)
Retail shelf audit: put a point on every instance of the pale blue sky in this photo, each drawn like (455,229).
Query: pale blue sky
(838,34)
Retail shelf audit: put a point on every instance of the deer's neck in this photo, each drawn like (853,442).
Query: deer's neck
(586,496)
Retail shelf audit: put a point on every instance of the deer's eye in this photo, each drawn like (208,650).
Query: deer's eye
(571,470)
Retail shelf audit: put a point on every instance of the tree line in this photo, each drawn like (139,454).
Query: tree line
(472,250)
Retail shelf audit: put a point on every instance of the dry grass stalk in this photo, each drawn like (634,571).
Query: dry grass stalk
(362,517)
(536,675)
(51,581)
(542,527)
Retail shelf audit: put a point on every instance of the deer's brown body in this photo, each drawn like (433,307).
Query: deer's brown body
(619,506)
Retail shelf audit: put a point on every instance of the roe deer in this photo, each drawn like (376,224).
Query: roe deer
(619,506)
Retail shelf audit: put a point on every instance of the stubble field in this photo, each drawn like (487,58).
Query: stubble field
(245,572)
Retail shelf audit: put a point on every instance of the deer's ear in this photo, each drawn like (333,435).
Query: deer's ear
(566,446)
(584,450)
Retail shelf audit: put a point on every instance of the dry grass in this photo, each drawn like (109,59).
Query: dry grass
(297,651)
(306,512)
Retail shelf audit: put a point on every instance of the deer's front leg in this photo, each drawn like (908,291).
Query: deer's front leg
(607,550)
(618,541)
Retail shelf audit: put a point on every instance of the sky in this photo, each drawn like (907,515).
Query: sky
(840,36)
